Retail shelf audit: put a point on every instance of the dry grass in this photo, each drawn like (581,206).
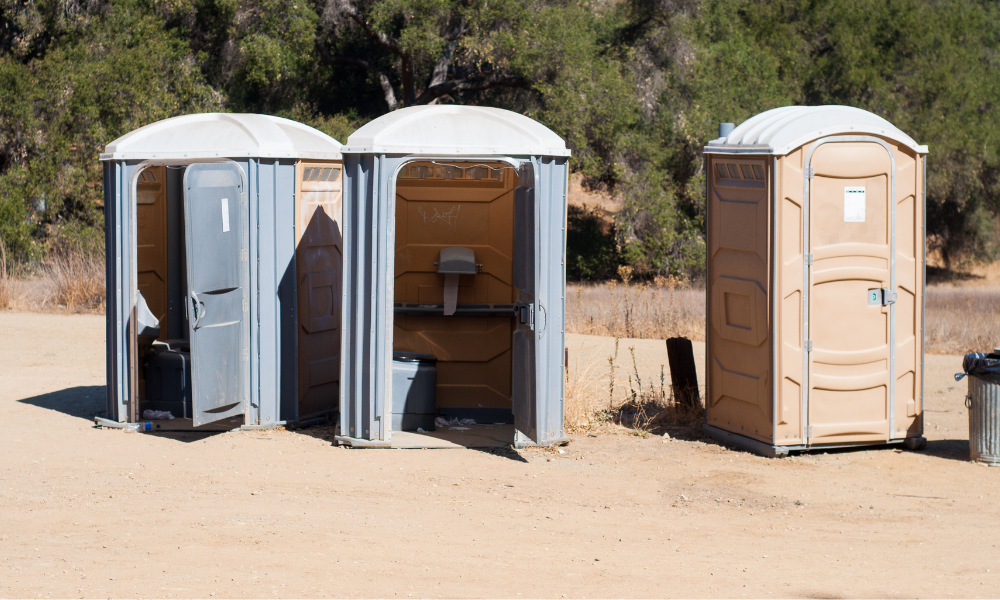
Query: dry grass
(5,278)
(962,319)
(593,404)
(663,309)
(67,282)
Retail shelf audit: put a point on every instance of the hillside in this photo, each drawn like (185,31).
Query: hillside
(636,87)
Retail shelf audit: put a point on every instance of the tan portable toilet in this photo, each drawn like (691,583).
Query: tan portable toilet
(815,285)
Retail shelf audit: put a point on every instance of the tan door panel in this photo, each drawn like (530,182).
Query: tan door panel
(318,263)
(438,206)
(849,365)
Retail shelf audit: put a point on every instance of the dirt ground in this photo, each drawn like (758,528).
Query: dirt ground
(86,512)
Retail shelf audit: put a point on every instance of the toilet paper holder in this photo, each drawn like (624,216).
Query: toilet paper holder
(456,260)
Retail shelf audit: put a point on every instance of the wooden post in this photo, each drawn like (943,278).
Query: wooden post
(683,376)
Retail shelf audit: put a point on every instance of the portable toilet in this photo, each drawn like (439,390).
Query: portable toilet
(454,248)
(223,270)
(815,285)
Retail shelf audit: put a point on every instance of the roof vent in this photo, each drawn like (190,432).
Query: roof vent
(725,129)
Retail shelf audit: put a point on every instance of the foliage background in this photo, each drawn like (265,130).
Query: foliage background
(636,87)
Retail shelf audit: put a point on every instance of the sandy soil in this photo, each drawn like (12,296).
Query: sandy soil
(90,512)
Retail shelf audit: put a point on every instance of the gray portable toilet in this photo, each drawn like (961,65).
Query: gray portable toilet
(420,182)
(226,229)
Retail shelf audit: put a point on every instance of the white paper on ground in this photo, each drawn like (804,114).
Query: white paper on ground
(450,293)
(157,415)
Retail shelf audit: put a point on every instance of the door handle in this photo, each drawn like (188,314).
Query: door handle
(198,314)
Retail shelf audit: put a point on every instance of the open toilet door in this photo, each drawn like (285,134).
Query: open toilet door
(539,278)
(523,390)
(216,301)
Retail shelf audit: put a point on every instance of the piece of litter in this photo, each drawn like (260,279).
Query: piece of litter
(458,428)
(157,415)
(443,422)
(561,451)
(420,430)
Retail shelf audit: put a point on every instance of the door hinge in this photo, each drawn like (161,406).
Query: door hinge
(809,431)
(809,345)
(243,254)
(246,354)
(245,306)
(810,172)
(243,198)
(809,258)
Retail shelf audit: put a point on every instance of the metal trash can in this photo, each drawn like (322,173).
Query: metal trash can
(414,391)
(983,404)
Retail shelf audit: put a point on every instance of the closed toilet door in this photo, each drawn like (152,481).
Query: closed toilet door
(850,283)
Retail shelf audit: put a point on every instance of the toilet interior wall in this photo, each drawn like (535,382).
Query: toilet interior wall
(319,246)
(160,252)
(441,204)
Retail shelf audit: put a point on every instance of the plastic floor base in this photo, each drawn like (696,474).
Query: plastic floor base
(473,436)
(742,442)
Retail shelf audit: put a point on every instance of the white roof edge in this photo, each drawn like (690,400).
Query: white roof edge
(202,136)
(458,151)
(456,130)
(781,130)
(210,155)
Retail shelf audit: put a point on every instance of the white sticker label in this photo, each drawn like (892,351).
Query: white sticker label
(854,204)
(225,215)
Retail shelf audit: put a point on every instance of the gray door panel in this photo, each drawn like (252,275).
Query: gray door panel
(525,282)
(217,299)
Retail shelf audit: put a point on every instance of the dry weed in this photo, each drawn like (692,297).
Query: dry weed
(667,307)
(67,282)
(647,406)
(78,281)
(6,283)
(962,319)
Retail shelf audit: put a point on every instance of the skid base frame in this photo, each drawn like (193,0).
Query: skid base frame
(747,444)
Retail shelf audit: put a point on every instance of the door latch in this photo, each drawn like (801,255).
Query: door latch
(526,315)
(881,297)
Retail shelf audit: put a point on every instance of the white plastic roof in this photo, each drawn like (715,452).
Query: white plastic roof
(782,130)
(462,130)
(223,135)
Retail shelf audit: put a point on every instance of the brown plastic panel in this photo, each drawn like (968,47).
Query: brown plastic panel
(151,241)
(439,206)
(318,265)
(739,397)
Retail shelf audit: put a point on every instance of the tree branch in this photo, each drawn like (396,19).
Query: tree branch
(334,59)
(382,39)
(469,85)
(440,72)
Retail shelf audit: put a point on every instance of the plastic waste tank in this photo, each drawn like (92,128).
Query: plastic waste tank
(414,388)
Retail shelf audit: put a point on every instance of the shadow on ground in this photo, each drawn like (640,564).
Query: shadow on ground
(89,401)
(327,433)
(952,449)
(84,401)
